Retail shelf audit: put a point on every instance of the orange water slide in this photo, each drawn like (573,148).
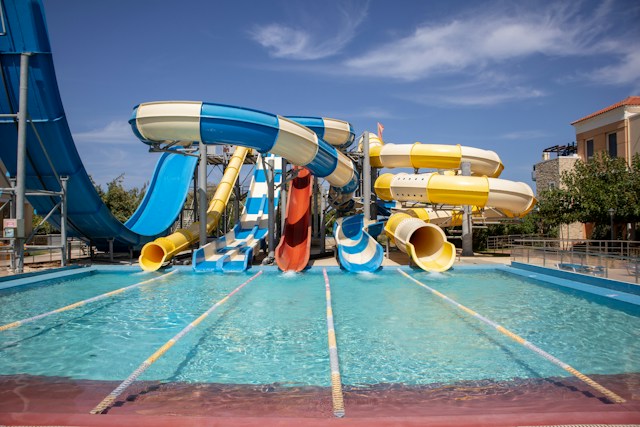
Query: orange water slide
(292,253)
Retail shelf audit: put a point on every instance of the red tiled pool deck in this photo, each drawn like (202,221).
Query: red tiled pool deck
(28,400)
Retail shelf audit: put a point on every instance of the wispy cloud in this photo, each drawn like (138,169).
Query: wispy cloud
(115,132)
(525,134)
(301,42)
(627,71)
(477,41)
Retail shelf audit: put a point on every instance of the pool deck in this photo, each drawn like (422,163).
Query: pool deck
(552,401)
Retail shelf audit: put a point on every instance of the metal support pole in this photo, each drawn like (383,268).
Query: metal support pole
(366,178)
(63,223)
(323,230)
(314,223)
(21,157)
(110,250)
(271,173)
(202,194)
(283,198)
(467,236)
(236,202)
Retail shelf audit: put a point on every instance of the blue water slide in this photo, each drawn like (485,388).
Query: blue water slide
(88,217)
(219,124)
(357,250)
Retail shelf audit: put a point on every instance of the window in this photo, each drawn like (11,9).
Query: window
(589,149)
(552,185)
(612,144)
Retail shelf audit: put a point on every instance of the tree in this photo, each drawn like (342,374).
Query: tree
(593,188)
(122,203)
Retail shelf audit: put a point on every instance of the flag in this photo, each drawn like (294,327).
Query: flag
(380,129)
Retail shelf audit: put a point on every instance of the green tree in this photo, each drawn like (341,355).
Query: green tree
(121,202)
(602,183)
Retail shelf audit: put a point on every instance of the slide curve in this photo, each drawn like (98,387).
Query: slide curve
(358,251)
(294,249)
(163,249)
(425,242)
(88,217)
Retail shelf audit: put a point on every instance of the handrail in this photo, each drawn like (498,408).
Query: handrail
(609,265)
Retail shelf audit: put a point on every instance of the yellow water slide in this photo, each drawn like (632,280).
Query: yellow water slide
(155,254)
(415,232)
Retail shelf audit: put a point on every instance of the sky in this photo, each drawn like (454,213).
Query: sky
(498,75)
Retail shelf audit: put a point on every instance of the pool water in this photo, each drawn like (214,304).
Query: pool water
(389,330)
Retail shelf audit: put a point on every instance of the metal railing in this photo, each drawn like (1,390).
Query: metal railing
(43,248)
(604,261)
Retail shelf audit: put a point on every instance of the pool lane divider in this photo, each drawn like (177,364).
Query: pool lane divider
(111,397)
(602,389)
(336,382)
(83,302)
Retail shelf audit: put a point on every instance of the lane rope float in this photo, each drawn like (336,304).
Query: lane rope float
(111,397)
(81,303)
(602,389)
(336,382)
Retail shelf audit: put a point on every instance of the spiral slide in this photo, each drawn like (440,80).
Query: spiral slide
(88,217)
(163,249)
(358,251)
(294,249)
(426,242)
(235,250)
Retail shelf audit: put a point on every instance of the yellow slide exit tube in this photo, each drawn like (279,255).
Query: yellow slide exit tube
(161,250)
(425,243)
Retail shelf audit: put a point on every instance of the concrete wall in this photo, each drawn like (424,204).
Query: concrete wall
(634,135)
(549,174)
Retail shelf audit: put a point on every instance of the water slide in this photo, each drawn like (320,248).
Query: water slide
(235,250)
(294,249)
(163,249)
(423,241)
(88,217)
(358,251)
(184,123)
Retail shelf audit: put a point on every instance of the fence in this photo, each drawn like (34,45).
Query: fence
(615,259)
(39,249)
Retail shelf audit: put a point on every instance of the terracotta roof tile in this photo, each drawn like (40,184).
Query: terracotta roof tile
(632,100)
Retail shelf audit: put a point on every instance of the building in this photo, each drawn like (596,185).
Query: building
(547,175)
(614,129)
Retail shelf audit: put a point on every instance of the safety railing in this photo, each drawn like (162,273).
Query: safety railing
(43,248)
(620,265)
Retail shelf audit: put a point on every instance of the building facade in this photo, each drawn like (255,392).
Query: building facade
(614,130)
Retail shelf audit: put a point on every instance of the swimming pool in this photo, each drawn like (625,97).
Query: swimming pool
(389,330)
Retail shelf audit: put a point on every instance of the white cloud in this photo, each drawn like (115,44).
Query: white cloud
(300,42)
(115,132)
(627,71)
(525,134)
(489,38)
(477,97)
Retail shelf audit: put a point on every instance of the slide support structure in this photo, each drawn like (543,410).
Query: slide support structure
(22,156)
(271,172)
(366,179)
(202,194)
(467,233)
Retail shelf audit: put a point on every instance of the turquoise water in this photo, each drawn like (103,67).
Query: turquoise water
(389,330)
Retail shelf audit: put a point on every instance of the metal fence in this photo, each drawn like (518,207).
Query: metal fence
(43,248)
(615,259)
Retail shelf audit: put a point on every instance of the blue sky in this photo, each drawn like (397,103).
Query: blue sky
(501,75)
